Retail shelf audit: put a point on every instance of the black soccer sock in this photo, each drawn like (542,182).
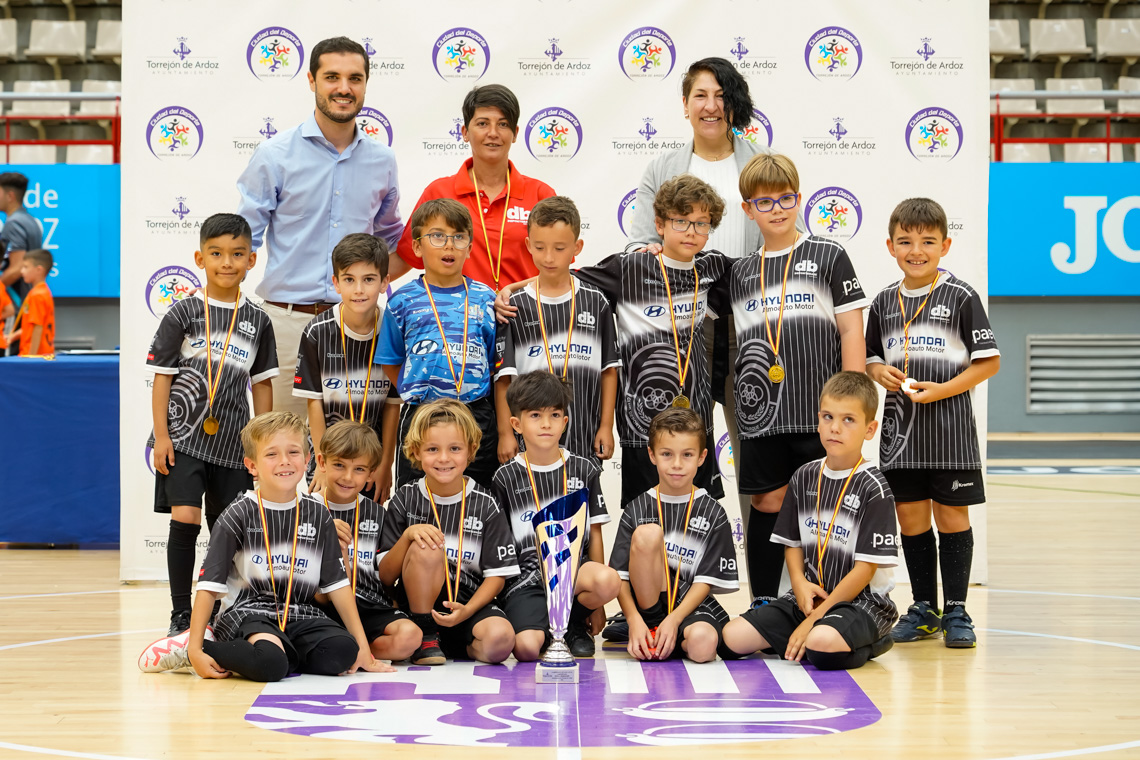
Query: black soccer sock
(426,624)
(765,559)
(955,555)
(579,612)
(180,562)
(331,656)
(262,661)
(921,554)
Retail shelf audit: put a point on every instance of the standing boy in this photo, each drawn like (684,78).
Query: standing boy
(34,326)
(798,311)
(21,232)
(674,537)
(272,553)
(565,327)
(335,371)
(437,339)
(349,455)
(838,529)
(528,483)
(929,343)
(208,348)
(447,542)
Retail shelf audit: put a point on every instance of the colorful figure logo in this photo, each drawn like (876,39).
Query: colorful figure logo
(647,53)
(462,54)
(167,286)
(833,53)
(625,212)
(833,213)
(553,133)
(374,125)
(174,132)
(275,53)
(759,132)
(934,134)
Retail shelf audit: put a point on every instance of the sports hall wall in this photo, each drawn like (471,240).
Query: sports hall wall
(874,102)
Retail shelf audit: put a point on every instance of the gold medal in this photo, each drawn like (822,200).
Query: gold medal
(776,373)
(908,384)
(210,425)
(681,402)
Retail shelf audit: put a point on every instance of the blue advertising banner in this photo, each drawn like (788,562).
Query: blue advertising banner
(78,209)
(1064,229)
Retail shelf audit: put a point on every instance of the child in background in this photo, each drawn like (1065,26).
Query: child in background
(34,326)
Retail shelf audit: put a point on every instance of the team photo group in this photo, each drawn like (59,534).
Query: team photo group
(373,459)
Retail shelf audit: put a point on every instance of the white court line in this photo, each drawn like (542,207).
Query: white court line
(791,676)
(62,752)
(1063,638)
(1062,593)
(710,677)
(625,676)
(77,593)
(78,638)
(1072,752)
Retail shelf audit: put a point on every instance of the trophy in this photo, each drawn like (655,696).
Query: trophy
(560,530)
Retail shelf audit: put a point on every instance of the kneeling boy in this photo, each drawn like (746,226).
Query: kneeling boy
(837,522)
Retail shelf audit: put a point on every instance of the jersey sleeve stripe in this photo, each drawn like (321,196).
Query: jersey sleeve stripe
(271,372)
(785,541)
(862,303)
(882,561)
(308,394)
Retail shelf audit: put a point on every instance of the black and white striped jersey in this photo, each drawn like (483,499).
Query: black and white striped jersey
(512,489)
(821,284)
(363,554)
(650,379)
(322,372)
(703,547)
(179,348)
(592,349)
(864,531)
(236,565)
(950,333)
(488,547)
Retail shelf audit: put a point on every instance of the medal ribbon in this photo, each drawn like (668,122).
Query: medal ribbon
(534,489)
(682,372)
(368,377)
(355,537)
(281,620)
(447,349)
(907,322)
(671,590)
(212,383)
(775,344)
(451,595)
(496,265)
(569,334)
(821,548)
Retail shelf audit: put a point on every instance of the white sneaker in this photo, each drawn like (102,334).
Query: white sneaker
(168,653)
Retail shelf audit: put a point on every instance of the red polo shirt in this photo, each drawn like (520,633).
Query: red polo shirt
(516,263)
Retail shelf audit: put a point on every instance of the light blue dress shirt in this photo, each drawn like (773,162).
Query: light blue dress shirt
(301,197)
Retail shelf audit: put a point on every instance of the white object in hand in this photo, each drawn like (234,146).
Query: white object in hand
(908,386)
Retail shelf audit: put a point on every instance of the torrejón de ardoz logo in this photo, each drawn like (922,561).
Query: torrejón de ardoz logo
(841,137)
(180,57)
(647,140)
(925,59)
(552,60)
(750,62)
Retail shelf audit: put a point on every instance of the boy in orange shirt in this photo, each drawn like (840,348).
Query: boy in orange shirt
(35,322)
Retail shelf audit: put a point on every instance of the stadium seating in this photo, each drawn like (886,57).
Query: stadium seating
(108,40)
(1091,153)
(89,154)
(1073,84)
(56,41)
(33,108)
(1025,153)
(1118,38)
(98,107)
(7,39)
(1060,39)
(1015,105)
(1005,40)
(1129,105)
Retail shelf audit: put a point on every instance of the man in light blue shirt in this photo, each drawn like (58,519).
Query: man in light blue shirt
(308,187)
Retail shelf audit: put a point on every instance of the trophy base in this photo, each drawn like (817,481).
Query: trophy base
(544,673)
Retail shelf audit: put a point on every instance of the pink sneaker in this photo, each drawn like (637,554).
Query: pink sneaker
(168,653)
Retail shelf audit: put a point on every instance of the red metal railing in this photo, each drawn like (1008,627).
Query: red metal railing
(115,120)
(997,120)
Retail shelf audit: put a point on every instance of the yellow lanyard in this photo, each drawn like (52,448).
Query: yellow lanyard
(682,372)
(569,332)
(534,488)
(907,322)
(355,537)
(447,349)
(671,589)
(281,620)
(821,547)
(212,383)
(775,343)
(368,377)
(451,595)
(496,265)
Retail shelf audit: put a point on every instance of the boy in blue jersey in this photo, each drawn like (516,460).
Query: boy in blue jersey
(442,308)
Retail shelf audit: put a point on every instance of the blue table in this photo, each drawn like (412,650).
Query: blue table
(59,445)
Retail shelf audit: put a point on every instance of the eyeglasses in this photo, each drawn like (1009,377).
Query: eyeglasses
(683,225)
(439,240)
(764,205)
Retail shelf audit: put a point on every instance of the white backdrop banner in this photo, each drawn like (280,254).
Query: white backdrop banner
(875,102)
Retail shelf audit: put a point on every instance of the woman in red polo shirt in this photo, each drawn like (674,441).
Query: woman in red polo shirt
(497,195)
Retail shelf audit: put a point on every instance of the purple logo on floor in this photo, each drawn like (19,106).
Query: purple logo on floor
(619,703)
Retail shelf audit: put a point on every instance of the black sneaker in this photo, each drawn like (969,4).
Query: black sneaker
(616,630)
(179,622)
(579,640)
(958,629)
(429,653)
(921,621)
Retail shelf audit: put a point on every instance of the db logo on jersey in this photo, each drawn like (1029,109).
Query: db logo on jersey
(473,523)
(369,526)
(850,286)
(984,334)
(654,311)
(534,351)
(941,311)
(247,328)
(889,539)
(699,523)
(575,484)
(806,267)
(851,501)
(307,530)
(751,305)
(727,564)
(424,347)
(587,319)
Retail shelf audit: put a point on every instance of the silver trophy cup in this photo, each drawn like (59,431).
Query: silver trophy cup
(560,531)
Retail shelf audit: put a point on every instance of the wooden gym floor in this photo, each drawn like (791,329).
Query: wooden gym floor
(1055,673)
